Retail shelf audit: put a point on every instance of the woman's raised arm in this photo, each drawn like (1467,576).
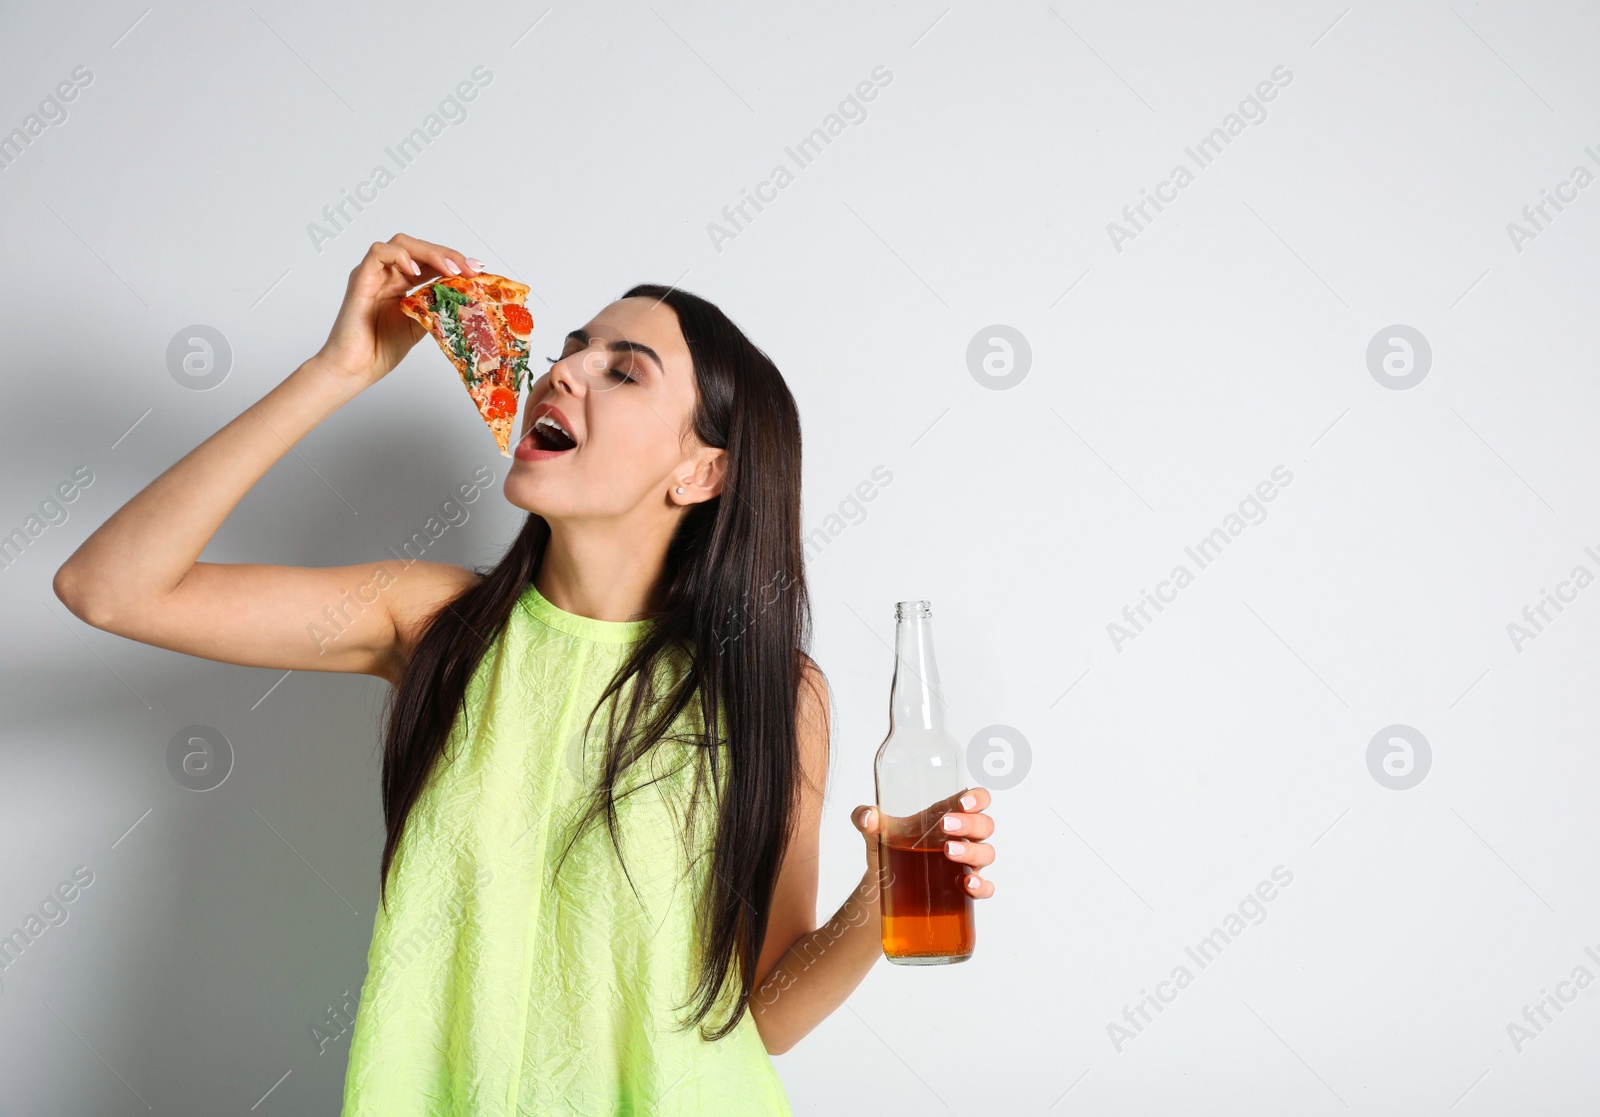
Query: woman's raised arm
(139,576)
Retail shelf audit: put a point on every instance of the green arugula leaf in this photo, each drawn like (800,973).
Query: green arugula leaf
(446,300)
(448,297)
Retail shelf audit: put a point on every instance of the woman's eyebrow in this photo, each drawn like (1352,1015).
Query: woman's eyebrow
(581,336)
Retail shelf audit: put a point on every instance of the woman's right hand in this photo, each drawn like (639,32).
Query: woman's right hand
(371,334)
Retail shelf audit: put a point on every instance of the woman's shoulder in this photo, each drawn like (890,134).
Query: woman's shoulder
(813,716)
(417,591)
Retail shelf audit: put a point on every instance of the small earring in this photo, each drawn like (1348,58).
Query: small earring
(680,490)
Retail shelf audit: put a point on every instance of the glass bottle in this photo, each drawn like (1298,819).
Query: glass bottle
(926,908)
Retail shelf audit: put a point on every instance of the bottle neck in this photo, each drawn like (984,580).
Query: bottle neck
(916,700)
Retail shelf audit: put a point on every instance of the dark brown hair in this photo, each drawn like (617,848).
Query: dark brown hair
(734,626)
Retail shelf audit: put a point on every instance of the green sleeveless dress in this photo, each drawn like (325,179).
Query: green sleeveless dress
(495,989)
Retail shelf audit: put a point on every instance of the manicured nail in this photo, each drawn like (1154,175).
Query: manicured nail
(450,266)
(955,849)
(866,813)
(951,822)
(972,881)
(477,265)
(414,269)
(968,802)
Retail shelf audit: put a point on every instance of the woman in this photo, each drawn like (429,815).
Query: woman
(596,898)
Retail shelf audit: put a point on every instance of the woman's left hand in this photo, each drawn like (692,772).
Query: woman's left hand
(966,839)
(966,834)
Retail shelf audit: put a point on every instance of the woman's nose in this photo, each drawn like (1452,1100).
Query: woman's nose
(568,374)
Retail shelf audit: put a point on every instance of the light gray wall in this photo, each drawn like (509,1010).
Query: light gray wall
(1171,372)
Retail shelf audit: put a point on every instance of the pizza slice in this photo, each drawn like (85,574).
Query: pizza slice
(483,326)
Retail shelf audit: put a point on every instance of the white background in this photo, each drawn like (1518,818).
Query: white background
(1168,379)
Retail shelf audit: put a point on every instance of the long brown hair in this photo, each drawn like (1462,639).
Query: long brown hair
(734,626)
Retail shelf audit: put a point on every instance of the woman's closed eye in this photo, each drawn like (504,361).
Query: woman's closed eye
(620,374)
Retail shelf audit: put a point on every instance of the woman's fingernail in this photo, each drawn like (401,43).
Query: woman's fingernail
(951,822)
(968,802)
(866,813)
(477,265)
(414,269)
(955,849)
(450,266)
(972,882)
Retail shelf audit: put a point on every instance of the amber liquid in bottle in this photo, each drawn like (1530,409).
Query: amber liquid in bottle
(926,908)
(927,914)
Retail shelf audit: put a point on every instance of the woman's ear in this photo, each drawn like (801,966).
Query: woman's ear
(717,467)
(706,482)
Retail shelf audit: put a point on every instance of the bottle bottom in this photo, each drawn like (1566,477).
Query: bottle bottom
(927,959)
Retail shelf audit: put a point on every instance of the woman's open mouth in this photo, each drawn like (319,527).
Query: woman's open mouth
(548,436)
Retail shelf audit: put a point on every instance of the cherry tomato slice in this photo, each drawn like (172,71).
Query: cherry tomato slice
(502,403)
(518,318)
